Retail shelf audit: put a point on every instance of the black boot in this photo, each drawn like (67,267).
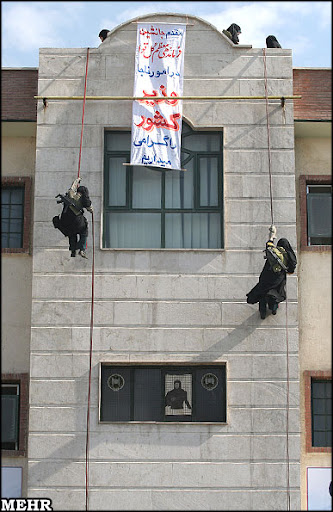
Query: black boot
(73,254)
(275,308)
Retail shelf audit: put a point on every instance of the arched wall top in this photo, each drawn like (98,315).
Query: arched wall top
(186,19)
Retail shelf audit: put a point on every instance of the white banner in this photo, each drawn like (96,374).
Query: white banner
(157,122)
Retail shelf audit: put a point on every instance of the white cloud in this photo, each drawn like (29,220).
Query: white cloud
(29,25)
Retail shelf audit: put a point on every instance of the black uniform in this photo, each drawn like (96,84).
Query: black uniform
(272,42)
(72,222)
(271,288)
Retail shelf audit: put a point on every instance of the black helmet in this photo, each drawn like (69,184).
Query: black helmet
(83,191)
(103,33)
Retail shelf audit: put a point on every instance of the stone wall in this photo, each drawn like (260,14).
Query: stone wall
(184,306)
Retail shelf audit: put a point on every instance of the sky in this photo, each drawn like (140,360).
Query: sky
(304,27)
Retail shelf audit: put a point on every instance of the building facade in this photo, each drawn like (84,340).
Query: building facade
(178,311)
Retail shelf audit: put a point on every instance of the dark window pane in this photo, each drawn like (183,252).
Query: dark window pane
(210,394)
(4,225)
(147,395)
(12,210)
(115,394)
(4,211)
(319,406)
(5,196)
(16,211)
(318,389)
(319,215)
(328,387)
(14,241)
(16,196)
(319,439)
(319,422)
(9,418)
(15,226)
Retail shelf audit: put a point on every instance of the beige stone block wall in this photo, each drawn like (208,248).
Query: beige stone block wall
(313,157)
(184,306)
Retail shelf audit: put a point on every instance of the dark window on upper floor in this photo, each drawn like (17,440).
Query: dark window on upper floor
(319,214)
(316,212)
(12,217)
(15,214)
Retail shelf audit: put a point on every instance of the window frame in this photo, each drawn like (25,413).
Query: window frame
(26,184)
(165,368)
(163,211)
(22,380)
(304,182)
(309,376)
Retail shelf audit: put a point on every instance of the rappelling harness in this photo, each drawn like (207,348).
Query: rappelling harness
(276,257)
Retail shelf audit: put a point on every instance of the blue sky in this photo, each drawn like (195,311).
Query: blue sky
(304,27)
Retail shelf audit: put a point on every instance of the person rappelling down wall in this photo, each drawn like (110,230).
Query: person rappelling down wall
(72,222)
(271,288)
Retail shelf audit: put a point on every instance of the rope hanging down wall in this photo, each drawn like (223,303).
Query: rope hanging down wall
(287,340)
(92,298)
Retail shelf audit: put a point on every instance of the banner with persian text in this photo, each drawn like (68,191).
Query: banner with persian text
(157,121)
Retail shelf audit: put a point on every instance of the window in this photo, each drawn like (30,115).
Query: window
(318,411)
(12,211)
(152,208)
(14,414)
(15,214)
(10,402)
(321,412)
(163,393)
(316,211)
(319,210)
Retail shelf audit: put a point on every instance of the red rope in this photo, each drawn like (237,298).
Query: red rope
(92,295)
(90,358)
(84,104)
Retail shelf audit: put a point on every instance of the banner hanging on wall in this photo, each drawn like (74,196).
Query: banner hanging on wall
(157,121)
